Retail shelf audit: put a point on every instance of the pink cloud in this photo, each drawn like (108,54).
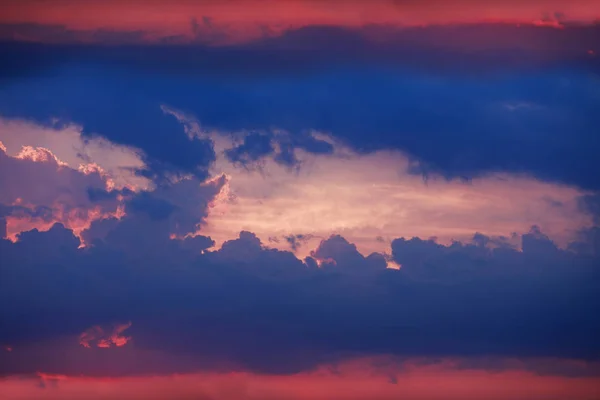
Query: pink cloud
(41,190)
(248,19)
(115,163)
(371,199)
(105,338)
(373,379)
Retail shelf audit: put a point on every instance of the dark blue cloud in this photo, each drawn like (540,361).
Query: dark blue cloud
(265,310)
(45,190)
(498,47)
(295,241)
(589,238)
(114,106)
(156,209)
(591,204)
(458,114)
(338,252)
(255,146)
(281,146)
(527,105)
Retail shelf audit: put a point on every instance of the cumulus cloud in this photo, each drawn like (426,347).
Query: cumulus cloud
(36,176)
(265,310)
(244,304)
(497,248)
(38,189)
(337,251)
(170,211)
(116,163)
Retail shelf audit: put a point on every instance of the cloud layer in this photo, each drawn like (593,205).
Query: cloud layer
(378,379)
(224,200)
(265,310)
(239,21)
(247,305)
(462,108)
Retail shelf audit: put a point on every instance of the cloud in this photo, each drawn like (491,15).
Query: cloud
(295,241)
(365,196)
(254,147)
(473,50)
(38,189)
(588,240)
(338,252)
(171,153)
(591,204)
(220,23)
(463,153)
(377,379)
(422,91)
(98,337)
(261,309)
(280,146)
(247,306)
(3,228)
(184,203)
(155,217)
(68,144)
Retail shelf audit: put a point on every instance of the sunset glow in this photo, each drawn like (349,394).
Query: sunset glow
(299,199)
(246,20)
(355,380)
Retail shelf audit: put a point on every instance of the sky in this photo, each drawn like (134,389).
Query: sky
(300,199)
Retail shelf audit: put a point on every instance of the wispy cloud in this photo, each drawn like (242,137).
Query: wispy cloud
(97,336)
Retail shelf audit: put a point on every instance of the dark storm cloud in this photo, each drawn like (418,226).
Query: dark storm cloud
(461,100)
(265,310)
